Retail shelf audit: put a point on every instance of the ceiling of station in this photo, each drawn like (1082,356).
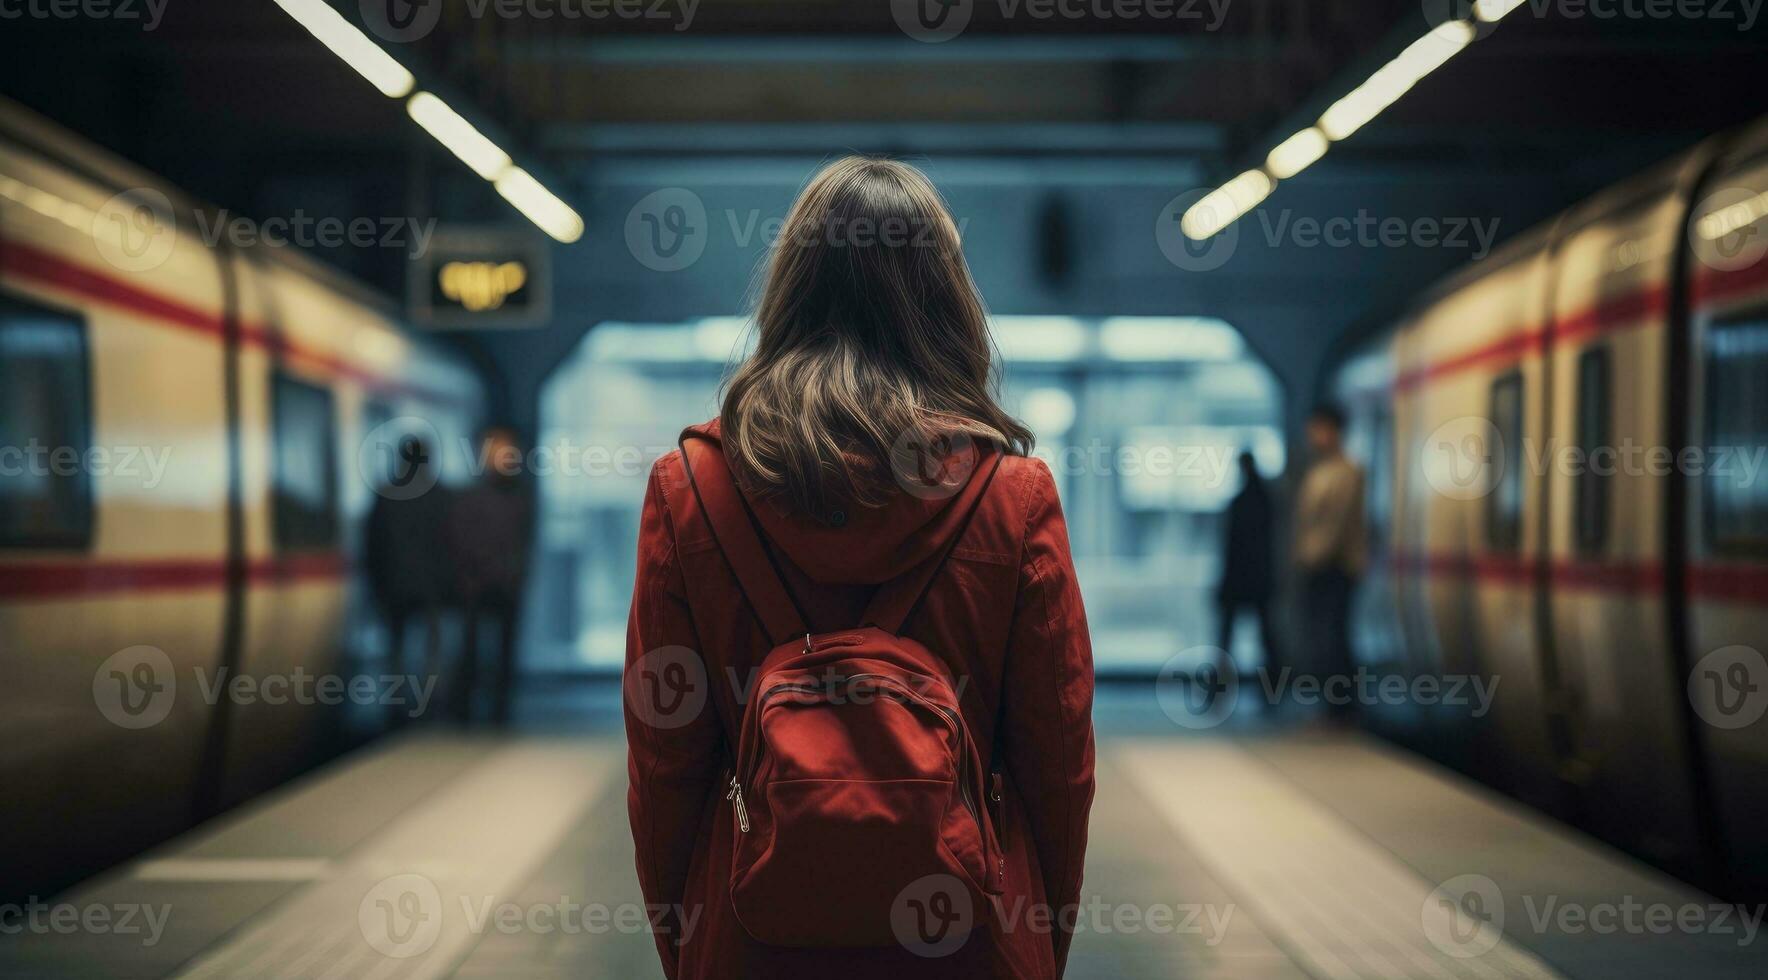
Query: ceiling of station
(233,101)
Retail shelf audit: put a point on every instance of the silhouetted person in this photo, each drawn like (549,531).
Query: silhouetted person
(491,533)
(405,553)
(1330,550)
(1248,579)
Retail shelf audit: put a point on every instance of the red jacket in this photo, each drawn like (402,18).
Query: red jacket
(1005,608)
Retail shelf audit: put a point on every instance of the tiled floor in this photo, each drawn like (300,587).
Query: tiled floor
(1240,854)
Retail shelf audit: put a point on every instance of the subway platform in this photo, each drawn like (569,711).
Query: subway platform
(1257,851)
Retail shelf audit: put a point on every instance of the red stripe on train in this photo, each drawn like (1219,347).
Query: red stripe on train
(1712,284)
(53,270)
(1646,306)
(50,580)
(1508,350)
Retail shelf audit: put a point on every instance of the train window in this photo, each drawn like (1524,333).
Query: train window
(1590,491)
(45,419)
(305,475)
(1737,429)
(1504,503)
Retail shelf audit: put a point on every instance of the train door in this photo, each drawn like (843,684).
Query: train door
(112,537)
(1726,527)
(288,417)
(1606,467)
(1472,389)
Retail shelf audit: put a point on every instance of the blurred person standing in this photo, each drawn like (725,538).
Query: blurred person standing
(492,531)
(1248,581)
(1330,547)
(406,553)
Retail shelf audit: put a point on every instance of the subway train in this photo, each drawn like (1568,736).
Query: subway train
(1565,443)
(184,429)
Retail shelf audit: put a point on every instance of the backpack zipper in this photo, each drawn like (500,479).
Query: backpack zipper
(735,793)
(955,720)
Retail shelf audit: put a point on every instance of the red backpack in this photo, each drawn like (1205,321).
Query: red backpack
(855,781)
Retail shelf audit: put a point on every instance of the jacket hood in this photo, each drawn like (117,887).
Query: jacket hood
(865,545)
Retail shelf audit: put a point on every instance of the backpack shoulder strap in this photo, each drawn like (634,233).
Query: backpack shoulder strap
(734,531)
(896,599)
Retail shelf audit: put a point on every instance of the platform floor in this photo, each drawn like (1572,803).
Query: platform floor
(1257,854)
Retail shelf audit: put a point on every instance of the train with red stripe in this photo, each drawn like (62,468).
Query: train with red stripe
(184,466)
(1566,443)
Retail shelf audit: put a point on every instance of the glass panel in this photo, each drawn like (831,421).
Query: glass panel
(1590,520)
(306,468)
(1504,505)
(45,485)
(1737,431)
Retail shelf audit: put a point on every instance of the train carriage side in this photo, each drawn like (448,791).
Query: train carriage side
(145,581)
(1610,440)
(320,369)
(1466,400)
(113,528)
(1725,528)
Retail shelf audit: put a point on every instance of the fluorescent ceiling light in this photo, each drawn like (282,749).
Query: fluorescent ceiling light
(1228,203)
(450,128)
(1491,11)
(1223,206)
(460,137)
(350,44)
(554,216)
(1296,153)
(1395,79)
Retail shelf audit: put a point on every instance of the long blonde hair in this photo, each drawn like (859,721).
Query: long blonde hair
(871,333)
